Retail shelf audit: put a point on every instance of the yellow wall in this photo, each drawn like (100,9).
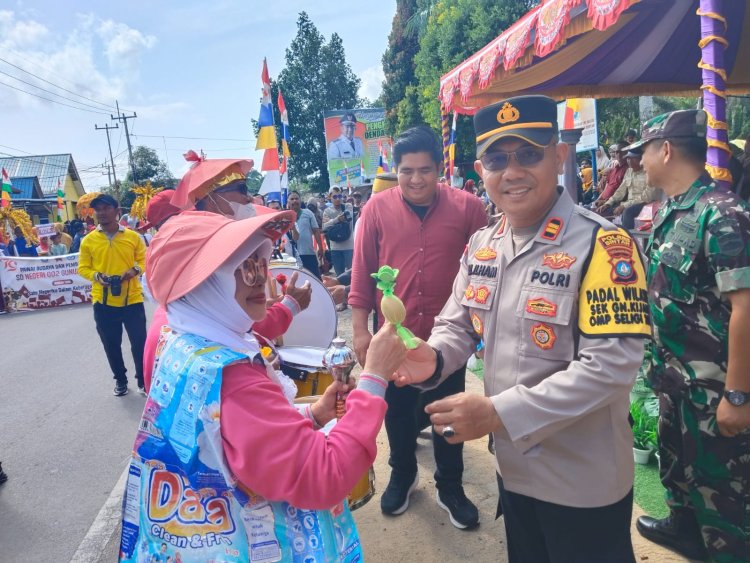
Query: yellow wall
(70,200)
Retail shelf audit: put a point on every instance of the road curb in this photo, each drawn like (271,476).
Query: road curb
(105,525)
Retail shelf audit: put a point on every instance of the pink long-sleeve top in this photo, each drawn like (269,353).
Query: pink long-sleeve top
(275,451)
(277,321)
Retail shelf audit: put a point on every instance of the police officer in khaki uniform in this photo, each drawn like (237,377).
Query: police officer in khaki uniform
(559,296)
(346,146)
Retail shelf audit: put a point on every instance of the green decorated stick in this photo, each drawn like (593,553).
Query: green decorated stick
(391,306)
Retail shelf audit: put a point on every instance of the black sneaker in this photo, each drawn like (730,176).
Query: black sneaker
(463,514)
(395,499)
(121,389)
(3,475)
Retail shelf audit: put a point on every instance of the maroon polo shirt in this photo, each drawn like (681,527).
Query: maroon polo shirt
(614,179)
(426,252)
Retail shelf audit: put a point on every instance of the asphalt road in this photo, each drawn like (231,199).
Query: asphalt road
(64,437)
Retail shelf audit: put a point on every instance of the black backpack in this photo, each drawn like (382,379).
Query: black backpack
(339,232)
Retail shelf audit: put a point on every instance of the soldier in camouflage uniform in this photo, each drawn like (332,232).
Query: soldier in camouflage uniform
(699,275)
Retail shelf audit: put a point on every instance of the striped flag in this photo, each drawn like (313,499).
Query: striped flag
(452,148)
(60,196)
(382,159)
(266,131)
(7,190)
(285,138)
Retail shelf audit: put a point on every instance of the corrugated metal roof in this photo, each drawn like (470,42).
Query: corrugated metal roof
(29,187)
(49,168)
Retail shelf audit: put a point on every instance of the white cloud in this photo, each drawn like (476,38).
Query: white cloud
(71,61)
(123,45)
(372,82)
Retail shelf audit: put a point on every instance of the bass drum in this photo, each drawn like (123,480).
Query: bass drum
(309,335)
(315,326)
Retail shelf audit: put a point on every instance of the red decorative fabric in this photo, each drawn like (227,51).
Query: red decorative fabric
(604,13)
(466,81)
(553,17)
(447,93)
(518,39)
(489,62)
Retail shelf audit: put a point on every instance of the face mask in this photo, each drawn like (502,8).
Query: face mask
(242,211)
(239,210)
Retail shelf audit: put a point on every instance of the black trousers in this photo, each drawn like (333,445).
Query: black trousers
(109,323)
(543,532)
(629,215)
(404,420)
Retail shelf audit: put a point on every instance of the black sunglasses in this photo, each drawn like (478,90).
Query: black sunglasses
(236,186)
(525,156)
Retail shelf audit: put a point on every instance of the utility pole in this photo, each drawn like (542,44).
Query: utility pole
(108,172)
(112,160)
(124,118)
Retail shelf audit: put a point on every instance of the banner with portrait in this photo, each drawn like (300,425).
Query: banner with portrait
(41,283)
(355,142)
(575,113)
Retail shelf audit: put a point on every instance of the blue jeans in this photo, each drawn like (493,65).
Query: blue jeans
(310,262)
(342,260)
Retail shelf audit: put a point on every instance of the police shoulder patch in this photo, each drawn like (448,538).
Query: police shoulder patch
(613,300)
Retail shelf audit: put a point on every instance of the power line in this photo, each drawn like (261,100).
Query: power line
(108,106)
(49,91)
(193,138)
(50,100)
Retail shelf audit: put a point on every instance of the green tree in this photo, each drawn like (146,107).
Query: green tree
(148,166)
(616,116)
(316,78)
(254,180)
(398,61)
(738,117)
(455,30)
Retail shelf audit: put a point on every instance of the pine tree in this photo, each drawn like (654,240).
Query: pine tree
(316,78)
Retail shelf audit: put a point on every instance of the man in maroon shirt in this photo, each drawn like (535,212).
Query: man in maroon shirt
(613,179)
(421,228)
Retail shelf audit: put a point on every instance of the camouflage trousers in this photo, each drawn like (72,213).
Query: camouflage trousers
(705,472)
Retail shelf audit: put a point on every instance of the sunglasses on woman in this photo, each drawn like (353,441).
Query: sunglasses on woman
(236,186)
(526,157)
(254,271)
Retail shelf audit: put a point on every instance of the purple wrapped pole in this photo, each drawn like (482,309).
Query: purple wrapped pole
(713,43)
(445,126)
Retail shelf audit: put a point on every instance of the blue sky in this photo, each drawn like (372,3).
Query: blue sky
(189,69)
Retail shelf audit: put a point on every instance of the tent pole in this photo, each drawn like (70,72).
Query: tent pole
(713,43)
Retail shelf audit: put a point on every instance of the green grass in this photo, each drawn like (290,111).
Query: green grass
(648,490)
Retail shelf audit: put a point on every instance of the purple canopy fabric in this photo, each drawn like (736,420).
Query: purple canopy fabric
(644,47)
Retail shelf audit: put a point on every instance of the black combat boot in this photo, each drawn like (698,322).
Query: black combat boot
(678,531)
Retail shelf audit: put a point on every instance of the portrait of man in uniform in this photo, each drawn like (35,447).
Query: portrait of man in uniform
(346,145)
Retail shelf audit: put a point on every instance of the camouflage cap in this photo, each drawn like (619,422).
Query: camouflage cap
(682,123)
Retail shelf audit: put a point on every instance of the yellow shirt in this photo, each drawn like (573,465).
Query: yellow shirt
(587,176)
(113,257)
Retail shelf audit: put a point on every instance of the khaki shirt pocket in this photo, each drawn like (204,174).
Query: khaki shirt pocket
(544,317)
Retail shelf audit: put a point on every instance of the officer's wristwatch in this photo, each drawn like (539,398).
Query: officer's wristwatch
(137,269)
(737,398)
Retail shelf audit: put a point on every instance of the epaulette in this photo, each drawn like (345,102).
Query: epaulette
(498,216)
(595,218)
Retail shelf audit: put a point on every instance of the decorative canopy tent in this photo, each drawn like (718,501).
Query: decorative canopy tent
(611,48)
